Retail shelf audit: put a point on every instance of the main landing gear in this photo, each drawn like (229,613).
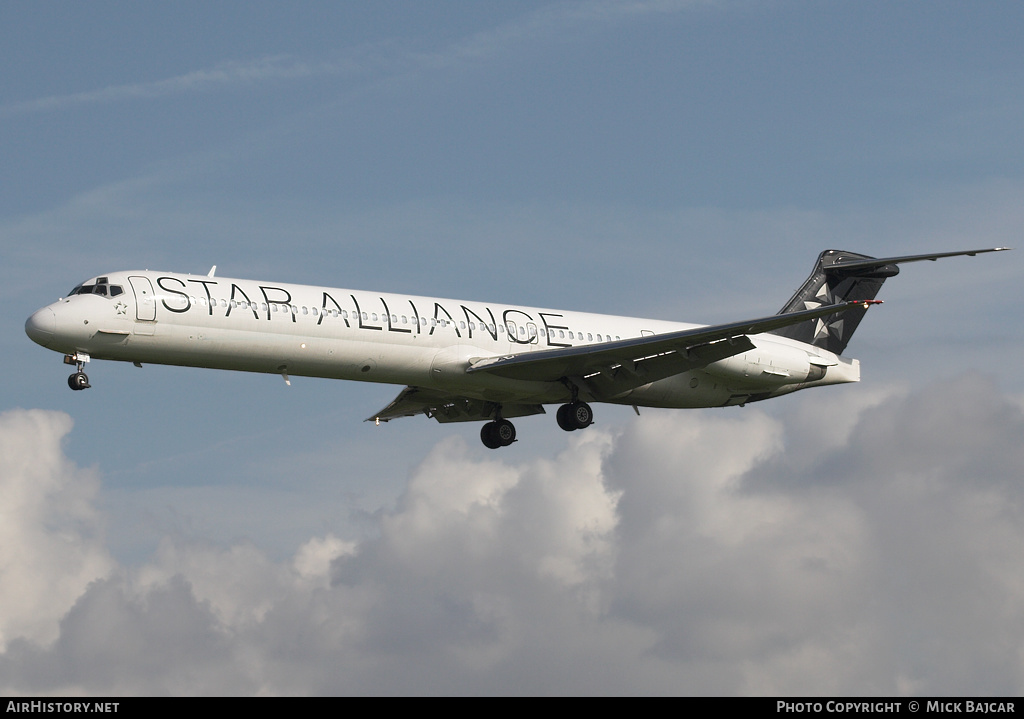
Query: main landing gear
(501,433)
(575,415)
(79,380)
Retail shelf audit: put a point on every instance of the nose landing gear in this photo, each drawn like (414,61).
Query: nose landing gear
(79,380)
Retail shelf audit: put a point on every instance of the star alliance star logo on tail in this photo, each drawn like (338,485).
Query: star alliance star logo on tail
(826,325)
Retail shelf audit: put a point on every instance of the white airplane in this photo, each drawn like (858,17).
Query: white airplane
(466,361)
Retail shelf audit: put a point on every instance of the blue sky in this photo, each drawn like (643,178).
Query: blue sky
(679,160)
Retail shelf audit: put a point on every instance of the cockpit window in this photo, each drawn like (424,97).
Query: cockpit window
(100,288)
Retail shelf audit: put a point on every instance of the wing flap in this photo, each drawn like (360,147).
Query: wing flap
(621,379)
(445,407)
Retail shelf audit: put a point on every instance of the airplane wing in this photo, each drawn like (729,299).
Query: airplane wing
(603,370)
(610,368)
(447,407)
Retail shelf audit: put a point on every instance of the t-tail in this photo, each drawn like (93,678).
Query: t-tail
(841,276)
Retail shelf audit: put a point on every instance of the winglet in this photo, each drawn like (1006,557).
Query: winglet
(212,271)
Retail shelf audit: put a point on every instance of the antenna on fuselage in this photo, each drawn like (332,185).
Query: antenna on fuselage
(212,271)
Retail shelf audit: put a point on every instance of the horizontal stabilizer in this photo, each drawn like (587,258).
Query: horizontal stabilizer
(847,266)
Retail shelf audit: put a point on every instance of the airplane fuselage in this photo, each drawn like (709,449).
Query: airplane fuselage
(472,361)
(425,342)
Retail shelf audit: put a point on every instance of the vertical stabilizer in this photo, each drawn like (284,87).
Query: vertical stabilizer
(841,276)
(831,283)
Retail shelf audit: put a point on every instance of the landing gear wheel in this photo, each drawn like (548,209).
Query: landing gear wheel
(582,415)
(488,436)
(505,431)
(575,415)
(78,381)
(499,433)
(564,418)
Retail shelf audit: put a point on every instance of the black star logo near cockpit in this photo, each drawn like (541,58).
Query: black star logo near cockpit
(121,308)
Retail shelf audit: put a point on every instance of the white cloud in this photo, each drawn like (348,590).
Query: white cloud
(51,543)
(709,551)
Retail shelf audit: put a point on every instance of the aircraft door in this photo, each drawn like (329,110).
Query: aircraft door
(145,299)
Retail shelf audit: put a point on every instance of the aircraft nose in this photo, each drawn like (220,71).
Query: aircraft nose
(41,326)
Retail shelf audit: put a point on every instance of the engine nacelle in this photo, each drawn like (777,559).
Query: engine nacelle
(773,365)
